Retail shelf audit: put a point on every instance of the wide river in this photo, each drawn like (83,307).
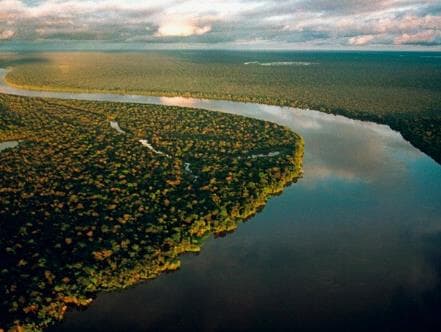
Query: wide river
(354,245)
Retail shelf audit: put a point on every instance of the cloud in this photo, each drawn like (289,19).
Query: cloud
(6,34)
(428,37)
(361,40)
(181,28)
(337,23)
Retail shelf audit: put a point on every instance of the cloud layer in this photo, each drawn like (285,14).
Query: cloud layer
(302,23)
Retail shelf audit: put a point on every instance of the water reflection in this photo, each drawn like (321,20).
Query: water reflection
(355,245)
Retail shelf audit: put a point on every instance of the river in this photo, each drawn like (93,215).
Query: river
(354,245)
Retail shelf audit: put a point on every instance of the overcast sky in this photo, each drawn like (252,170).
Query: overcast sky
(227,23)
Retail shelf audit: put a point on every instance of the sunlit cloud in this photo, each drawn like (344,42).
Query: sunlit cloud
(181,29)
(361,40)
(6,34)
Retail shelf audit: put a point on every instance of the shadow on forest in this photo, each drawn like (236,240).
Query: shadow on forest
(10,61)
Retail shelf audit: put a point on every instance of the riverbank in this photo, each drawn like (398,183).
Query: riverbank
(420,129)
(401,91)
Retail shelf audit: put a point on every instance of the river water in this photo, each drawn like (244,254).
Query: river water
(354,245)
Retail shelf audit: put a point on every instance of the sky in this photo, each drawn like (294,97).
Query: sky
(284,24)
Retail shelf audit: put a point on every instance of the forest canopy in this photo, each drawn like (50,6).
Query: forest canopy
(99,196)
(400,89)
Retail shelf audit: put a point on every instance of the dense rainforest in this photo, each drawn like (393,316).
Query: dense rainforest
(99,196)
(400,89)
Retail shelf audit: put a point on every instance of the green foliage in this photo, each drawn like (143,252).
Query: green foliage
(85,208)
(401,90)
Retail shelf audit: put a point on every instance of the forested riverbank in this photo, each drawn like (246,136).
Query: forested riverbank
(86,208)
(401,90)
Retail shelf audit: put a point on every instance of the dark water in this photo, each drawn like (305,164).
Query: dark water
(355,245)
